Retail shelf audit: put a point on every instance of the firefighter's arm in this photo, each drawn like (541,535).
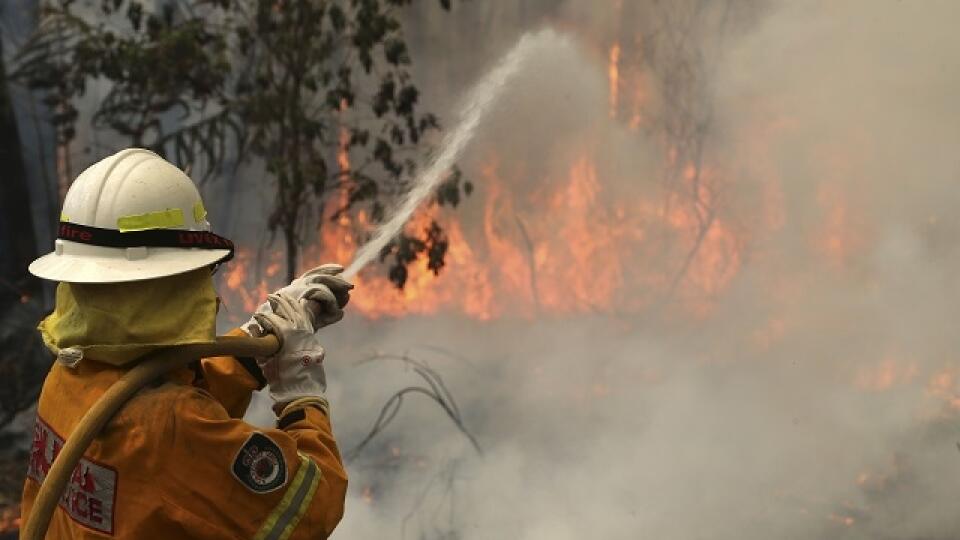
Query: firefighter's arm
(232,380)
(309,425)
(304,437)
(317,298)
(296,372)
(237,481)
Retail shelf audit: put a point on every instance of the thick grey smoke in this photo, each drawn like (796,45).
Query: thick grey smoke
(812,402)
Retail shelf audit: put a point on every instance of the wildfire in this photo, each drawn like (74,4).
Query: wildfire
(886,375)
(569,246)
(566,247)
(840,237)
(945,386)
(244,288)
(614,75)
(846,521)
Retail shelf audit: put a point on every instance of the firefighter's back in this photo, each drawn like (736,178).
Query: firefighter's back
(173,463)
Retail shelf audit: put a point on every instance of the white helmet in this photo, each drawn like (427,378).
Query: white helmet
(131,216)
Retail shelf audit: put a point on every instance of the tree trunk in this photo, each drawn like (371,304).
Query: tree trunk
(63,170)
(64,174)
(17,239)
(290,241)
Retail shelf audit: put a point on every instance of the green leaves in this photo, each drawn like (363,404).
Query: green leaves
(448,192)
(407,100)
(316,89)
(171,70)
(338,18)
(407,249)
(135,15)
(384,98)
(395,51)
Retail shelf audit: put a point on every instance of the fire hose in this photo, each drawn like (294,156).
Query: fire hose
(148,369)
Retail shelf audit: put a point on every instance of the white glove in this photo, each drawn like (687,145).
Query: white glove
(321,290)
(296,371)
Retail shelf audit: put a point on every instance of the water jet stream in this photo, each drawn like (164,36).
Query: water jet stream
(475,107)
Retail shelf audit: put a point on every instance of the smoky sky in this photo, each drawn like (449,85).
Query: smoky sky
(812,401)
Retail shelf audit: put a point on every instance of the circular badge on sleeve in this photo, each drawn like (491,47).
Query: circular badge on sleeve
(259,464)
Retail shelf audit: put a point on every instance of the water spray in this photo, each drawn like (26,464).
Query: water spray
(476,106)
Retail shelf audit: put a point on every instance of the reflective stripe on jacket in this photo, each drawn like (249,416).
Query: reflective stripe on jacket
(179,462)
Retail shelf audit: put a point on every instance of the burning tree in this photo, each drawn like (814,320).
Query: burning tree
(305,102)
(319,91)
(662,232)
(673,59)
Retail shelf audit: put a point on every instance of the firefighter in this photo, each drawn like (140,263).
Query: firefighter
(134,257)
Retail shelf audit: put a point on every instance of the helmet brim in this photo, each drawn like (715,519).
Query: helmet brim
(161,262)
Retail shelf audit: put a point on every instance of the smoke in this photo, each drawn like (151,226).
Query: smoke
(813,400)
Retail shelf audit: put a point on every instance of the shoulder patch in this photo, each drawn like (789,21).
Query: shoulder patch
(259,464)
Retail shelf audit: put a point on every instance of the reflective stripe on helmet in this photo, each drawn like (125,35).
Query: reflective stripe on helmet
(170,218)
(199,212)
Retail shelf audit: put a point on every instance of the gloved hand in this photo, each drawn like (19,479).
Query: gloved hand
(321,290)
(296,371)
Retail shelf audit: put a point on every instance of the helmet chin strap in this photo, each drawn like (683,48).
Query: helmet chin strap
(171,238)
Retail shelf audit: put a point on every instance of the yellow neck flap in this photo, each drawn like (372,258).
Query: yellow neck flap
(117,323)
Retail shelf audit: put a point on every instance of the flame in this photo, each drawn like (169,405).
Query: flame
(888,373)
(613,72)
(837,239)
(243,288)
(567,247)
(846,521)
(945,386)
(572,255)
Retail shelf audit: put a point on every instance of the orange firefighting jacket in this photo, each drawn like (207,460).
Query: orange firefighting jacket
(178,462)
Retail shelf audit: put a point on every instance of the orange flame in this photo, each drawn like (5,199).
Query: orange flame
(886,375)
(573,255)
(565,248)
(945,385)
(570,246)
(614,74)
